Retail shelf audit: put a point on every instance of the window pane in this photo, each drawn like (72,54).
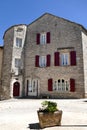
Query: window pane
(65,59)
(42,61)
(43,38)
(18,42)
(61,85)
(17,62)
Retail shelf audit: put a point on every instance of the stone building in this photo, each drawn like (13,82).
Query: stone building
(46,58)
(1,58)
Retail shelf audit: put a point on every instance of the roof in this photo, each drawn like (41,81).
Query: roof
(59,18)
(13,27)
(43,16)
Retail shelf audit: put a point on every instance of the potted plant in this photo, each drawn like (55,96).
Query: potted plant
(49,115)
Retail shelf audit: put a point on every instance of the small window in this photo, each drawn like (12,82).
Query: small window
(17,62)
(42,61)
(65,60)
(19,29)
(19,42)
(43,38)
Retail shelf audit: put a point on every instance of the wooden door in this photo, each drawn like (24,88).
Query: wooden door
(16,89)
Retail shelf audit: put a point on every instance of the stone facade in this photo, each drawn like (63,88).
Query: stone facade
(52,56)
(1,58)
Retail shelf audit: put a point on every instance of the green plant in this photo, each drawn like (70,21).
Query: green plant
(48,106)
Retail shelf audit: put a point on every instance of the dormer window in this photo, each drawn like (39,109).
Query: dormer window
(18,42)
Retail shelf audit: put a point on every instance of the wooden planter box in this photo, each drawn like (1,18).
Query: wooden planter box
(48,119)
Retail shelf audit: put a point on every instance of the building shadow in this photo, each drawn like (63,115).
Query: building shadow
(36,126)
(74,125)
(85,101)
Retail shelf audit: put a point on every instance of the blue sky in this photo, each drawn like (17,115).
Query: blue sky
(13,12)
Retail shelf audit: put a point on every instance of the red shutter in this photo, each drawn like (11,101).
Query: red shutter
(50,82)
(48,37)
(56,58)
(73,57)
(72,85)
(48,60)
(38,38)
(37,61)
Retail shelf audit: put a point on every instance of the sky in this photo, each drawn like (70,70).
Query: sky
(14,12)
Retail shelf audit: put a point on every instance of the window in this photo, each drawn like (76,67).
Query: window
(20,30)
(65,59)
(61,85)
(42,61)
(17,62)
(29,85)
(18,42)
(43,38)
(32,87)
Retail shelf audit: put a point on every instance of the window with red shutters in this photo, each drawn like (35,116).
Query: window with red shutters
(38,38)
(73,57)
(50,84)
(37,61)
(56,59)
(72,85)
(48,37)
(48,60)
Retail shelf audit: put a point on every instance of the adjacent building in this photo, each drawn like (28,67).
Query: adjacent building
(1,58)
(46,58)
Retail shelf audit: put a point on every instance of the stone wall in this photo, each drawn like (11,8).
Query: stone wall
(6,68)
(17,53)
(84,47)
(1,58)
(64,35)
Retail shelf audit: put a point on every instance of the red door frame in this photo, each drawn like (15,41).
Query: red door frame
(16,89)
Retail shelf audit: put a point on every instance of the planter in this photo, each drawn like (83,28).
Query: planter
(48,119)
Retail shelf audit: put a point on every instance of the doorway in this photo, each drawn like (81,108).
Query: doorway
(16,89)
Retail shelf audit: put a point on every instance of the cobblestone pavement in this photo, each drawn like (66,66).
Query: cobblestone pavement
(21,114)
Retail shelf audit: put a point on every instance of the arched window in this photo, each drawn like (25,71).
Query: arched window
(61,85)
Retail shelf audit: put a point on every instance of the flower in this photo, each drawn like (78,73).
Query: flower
(48,106)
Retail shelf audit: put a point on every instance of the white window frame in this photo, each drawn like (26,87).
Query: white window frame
(42,61)
(18,42)
(62,86)
(43,38)
(65,59)
(32,85)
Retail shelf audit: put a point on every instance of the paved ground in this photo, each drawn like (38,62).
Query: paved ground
(21,114)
